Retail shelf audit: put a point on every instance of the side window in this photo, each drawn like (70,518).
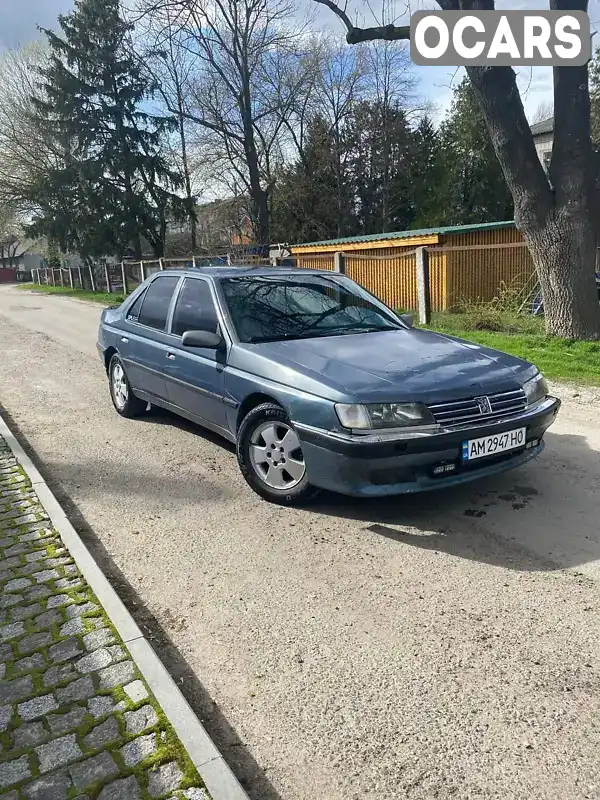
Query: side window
(134,311)
(157,299)
(547,160)
(195,309)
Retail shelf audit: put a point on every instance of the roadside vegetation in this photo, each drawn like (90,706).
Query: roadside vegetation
(81,294)
(524,335)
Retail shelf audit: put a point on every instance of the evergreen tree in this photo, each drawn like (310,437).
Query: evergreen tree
(112,184)
(595,97)
(428,177)
(381,145)
(304,200)
(474,189)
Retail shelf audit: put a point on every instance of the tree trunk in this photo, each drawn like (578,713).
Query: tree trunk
(260,203)
(258,195)
(137,247)
(186,168)
(564,254)
(556,215)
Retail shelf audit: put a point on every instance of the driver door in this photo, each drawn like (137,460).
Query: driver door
(194,375)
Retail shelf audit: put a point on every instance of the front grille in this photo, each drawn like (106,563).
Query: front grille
(465,412)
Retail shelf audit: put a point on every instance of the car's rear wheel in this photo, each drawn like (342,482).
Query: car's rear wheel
(270,457)
(124,400)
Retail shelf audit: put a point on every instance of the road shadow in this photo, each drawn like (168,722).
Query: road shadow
(233,749)
(539,517)
(161,416)
(542,516)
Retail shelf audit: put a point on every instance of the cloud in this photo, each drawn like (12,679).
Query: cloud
(20,18)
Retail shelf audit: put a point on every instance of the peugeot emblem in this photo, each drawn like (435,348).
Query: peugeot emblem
(484,404)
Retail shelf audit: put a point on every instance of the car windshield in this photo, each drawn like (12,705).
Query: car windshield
(267,309)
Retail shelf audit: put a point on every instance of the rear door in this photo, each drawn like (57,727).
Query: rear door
(195,380)
(143,343)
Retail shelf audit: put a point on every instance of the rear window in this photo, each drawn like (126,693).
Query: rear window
(155,308)
(133,315)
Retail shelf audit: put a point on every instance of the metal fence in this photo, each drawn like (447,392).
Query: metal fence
(123,278)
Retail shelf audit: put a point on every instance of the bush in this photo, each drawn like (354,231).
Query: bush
(508,312)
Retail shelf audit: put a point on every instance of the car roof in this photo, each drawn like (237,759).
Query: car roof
(246,272)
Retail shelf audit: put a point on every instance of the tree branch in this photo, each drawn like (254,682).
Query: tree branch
(386,33)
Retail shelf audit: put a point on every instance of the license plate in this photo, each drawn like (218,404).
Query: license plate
(492,445)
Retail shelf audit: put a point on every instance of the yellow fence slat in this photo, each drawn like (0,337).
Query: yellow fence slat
(471,268)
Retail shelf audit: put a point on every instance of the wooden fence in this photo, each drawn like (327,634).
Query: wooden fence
(456,275)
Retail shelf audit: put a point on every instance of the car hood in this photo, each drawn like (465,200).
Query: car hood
(409,364)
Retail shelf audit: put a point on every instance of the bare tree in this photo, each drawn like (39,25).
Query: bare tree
(543,112)
(164,56)
(391,85)
(556,212)
(341,82)
(12,235)
(26,149)
(237,92)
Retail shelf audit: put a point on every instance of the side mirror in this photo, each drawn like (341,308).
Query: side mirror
(201,339)
(408,319)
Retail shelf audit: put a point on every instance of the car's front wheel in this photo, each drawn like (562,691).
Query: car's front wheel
(124,400)
(270,457)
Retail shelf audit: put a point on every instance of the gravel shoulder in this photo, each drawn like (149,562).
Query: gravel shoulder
(437,646)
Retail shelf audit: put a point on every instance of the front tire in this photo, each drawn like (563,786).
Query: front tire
(270,457)
(125,402)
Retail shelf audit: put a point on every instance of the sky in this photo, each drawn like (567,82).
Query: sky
(19,21)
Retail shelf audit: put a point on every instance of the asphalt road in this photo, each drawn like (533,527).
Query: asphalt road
(441,646)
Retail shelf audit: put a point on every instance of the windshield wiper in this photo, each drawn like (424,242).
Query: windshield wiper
(280,337)
(319,333)
(361,329)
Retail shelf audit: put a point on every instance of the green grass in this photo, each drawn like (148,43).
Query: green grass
(82,294)
(523,336)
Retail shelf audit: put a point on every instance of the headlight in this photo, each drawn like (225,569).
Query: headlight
(383,415)
(536,389)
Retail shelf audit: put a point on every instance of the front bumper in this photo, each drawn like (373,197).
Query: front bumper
(378,464)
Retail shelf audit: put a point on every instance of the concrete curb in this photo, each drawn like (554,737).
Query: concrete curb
(214,771)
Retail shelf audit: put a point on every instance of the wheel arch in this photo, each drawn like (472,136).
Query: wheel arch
(253,401)
(108,354)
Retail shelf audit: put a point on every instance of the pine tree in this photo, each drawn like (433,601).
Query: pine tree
(112,185)
(304,201)
(380,143)
(474,187)
(428,177)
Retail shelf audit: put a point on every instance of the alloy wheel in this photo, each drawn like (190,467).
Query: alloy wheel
(276,455)
(119,386)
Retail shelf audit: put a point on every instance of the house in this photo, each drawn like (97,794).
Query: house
(466,262)
(543,136)
(17,260)
(15,254)
(219,224)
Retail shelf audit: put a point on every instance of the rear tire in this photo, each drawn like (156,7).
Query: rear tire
(270,457)
(125,402)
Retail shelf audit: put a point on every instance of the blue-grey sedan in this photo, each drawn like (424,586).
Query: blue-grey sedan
(319,384)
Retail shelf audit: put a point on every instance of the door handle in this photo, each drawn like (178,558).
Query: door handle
(124,339)
(171,356)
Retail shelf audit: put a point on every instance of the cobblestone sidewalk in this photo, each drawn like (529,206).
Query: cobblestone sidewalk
(76,719)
